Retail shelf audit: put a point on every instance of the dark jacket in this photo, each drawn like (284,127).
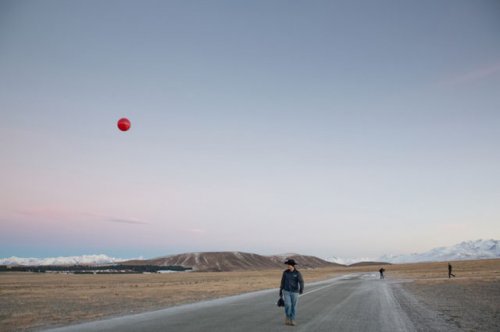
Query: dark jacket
(292,281)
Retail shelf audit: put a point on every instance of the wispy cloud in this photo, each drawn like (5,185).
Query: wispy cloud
(473,76)
(44,212)
(99,217)
(128,221)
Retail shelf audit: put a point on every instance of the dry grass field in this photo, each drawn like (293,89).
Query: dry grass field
(31,301)
(471,300)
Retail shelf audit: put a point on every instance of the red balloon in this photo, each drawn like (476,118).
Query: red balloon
(124,124)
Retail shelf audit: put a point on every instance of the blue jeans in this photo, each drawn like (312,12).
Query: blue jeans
(290,303)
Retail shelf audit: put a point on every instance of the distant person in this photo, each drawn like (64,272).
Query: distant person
(292,284)
(450,268)
(382,270)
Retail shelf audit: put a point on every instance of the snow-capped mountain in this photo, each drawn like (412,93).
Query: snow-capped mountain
(479,249)
(349,261)
(71,260)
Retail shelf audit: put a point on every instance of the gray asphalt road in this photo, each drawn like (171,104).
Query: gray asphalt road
(350,303)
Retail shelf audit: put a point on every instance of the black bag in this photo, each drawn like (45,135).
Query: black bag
(281,302)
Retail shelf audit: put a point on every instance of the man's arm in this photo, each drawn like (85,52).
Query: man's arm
(301,284)
(282,285)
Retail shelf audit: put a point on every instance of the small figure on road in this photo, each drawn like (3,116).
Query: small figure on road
(382,270)
(450,268)
(292,284)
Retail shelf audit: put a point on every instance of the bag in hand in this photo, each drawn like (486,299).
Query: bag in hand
(281,302)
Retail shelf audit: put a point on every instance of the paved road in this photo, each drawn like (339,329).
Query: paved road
(349,303)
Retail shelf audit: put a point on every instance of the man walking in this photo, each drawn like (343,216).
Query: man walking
(381,271)
(292,284)
(449,271)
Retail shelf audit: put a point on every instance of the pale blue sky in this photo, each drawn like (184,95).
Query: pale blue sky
(346,128)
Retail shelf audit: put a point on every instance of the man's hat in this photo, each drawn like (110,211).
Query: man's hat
(290,262)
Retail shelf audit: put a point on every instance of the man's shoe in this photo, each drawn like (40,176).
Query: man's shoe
(288,321)
(292,322)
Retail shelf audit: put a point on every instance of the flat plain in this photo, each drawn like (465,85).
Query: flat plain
(32,301)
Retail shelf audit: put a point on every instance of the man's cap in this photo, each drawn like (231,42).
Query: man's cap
(290,262)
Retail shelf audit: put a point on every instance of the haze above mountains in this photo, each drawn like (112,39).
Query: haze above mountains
(223,261)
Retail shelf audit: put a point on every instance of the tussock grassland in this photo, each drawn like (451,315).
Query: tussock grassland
(470,301)
(30,300)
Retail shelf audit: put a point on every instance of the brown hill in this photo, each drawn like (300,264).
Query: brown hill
(303,261)
(231,261)
(369,264)
(213,261)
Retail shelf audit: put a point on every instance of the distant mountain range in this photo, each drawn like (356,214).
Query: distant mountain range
(201,261)
(68,260)
(230,261)
(479,249)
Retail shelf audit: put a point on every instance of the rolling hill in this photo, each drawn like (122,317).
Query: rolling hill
(232,261)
